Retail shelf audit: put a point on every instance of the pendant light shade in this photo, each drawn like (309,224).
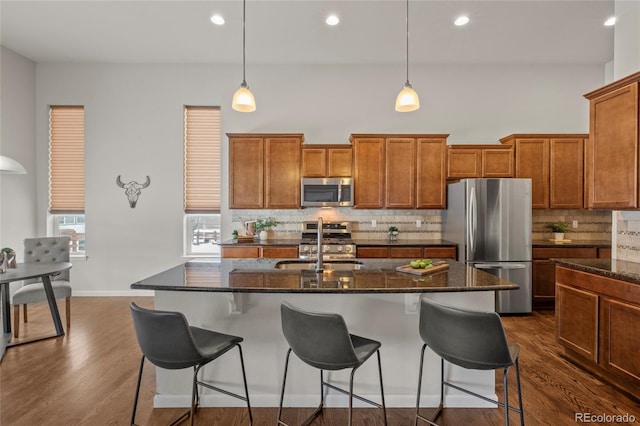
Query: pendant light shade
(407,99)
(243,99)
(10,166)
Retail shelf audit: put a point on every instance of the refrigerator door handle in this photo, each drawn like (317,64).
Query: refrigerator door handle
(499,266)
(472,219)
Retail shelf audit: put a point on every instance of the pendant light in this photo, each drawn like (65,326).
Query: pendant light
(407,99)
(10,166)
(243,99)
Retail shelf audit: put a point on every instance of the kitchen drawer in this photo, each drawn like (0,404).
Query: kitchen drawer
(372,252)
(252,252)
(440,253)
(285,252)
(406,252)
(565,252)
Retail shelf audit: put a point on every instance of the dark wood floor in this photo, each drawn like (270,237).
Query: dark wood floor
(88,378)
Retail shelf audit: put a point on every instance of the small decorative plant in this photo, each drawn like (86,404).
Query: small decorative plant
(266,224)
(558,227)
(393,233)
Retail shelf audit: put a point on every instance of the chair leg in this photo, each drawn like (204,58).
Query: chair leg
(246,388)
(284,381)
(519,393)
(135,401)
(505,377)
(439,409)
(16,321)
(194,394)
(384,406)
(351,395)
(24,309)
(68,311)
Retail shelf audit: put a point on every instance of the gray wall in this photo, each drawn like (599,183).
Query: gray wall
(17,140)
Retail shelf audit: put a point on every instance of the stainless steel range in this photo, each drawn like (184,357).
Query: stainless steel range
(336,241)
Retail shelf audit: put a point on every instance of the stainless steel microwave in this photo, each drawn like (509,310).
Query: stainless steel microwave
(327,192)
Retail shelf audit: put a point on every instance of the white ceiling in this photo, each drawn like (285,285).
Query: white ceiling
(288,32)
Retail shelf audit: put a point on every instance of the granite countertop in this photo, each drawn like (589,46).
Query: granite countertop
(611,268)
(572,243)
(375,276)
(382,242)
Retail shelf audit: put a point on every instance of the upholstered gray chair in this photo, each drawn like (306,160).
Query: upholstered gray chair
(322,341)
(43,250)
(469,339)
(168,341)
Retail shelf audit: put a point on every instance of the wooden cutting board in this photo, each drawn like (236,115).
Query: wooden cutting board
(438,266)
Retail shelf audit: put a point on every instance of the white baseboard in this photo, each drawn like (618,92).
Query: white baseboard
(331,400)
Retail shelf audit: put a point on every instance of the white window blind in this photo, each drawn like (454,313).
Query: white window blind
(202,159)
(66,159)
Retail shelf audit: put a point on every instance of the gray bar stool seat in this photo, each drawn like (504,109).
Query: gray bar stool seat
(168,341)
(322,340)
(469,339)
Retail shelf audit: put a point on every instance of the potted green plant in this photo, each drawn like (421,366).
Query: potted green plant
(558,229)
(265,225)
(393,233)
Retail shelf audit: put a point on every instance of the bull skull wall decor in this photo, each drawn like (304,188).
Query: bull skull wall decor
(133,189)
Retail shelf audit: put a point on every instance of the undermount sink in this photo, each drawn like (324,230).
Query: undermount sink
(343,265)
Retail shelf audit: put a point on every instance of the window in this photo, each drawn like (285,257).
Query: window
(66,174)
(202,180)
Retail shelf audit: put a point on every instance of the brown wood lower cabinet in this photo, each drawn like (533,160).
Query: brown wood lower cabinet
(598,325)
(254,252)
(544,271)
(577,315)
(406,252)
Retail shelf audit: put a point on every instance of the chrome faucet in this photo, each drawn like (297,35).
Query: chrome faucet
(319,265)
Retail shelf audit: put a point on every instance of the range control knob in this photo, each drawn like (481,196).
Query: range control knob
(348,249)
(326,249)
(340,249)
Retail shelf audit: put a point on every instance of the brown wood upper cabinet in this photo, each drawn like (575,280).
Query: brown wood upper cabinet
(326,161)
(399,171)
(264,170)
(612,149)
(555,165)
(480,161)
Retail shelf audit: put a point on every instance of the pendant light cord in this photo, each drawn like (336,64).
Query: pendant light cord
(244,19)
(407,21)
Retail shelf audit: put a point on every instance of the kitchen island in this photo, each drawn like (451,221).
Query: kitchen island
(243,297)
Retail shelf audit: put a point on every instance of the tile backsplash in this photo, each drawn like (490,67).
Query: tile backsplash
(592,224)
(627,235)
(290,222)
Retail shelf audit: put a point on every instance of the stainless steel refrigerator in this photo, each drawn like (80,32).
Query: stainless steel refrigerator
(490,220)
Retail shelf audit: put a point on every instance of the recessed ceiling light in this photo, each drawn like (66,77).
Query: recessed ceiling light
(610,21)
(461,20)
(332,20)
(217,19)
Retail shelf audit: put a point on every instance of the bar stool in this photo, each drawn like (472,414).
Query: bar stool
(322,341)
(168,341)
(469,339)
